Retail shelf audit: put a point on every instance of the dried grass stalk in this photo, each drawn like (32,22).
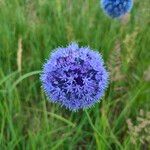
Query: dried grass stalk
(19,54)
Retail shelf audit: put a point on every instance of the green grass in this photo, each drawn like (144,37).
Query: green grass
(27,120)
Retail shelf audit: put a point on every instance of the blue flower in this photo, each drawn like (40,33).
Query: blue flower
(74,77)
(116,8)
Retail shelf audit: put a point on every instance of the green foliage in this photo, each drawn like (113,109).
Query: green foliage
(29,30)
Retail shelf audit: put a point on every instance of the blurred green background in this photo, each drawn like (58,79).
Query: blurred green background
(29,31)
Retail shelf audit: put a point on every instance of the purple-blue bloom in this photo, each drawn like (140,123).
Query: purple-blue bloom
(74,77)
(116,8)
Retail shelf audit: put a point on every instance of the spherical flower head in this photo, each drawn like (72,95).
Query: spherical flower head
(116,8)
(74,77)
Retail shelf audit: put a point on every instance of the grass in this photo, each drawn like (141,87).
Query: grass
(27,120)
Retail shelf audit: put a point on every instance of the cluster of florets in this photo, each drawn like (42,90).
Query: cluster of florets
(74,77)
(116,8)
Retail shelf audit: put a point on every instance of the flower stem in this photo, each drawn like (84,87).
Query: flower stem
(95,129)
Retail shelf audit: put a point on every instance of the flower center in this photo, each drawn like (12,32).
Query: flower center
(79,81)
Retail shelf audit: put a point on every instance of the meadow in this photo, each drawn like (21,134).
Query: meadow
(29,31)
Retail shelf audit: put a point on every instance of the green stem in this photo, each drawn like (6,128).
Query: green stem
(95,129)
(23,77)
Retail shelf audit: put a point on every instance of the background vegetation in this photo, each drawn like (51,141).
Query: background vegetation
(29,30)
